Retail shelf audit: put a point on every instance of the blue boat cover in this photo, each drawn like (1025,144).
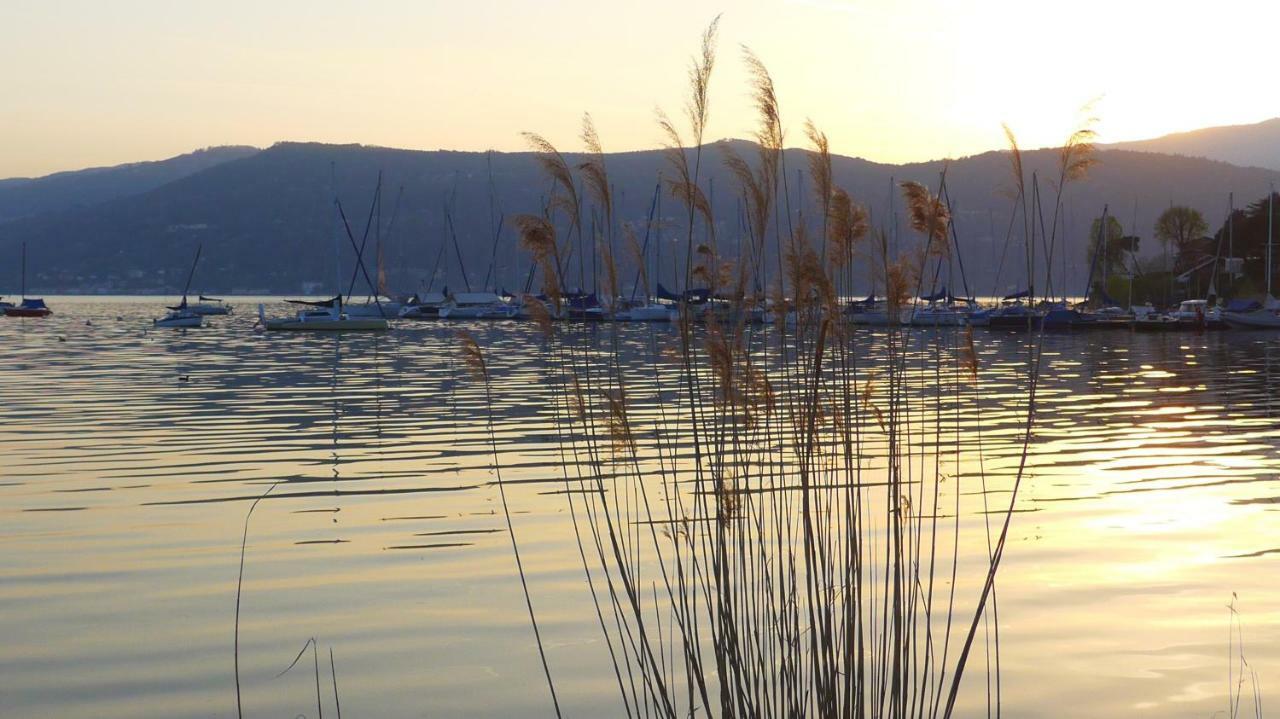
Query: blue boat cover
(1243,305)
(34,304)
(695,296)
(939,295)
(580,301)
(1018,295)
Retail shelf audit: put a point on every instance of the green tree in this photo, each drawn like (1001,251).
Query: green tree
(1182,229)
(1118,248)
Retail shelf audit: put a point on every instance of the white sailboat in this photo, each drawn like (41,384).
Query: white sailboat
(321,316)
(1265,314)
(327,315)
(477,306)
(182,317)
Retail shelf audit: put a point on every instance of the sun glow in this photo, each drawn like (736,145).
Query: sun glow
(889,81)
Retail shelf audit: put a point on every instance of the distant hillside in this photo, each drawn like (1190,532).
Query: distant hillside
(23,197)
(266,220)
(1256,145)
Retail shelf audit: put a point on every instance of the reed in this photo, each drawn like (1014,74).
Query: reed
(769,517)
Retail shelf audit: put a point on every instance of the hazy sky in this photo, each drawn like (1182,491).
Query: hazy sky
(92,83)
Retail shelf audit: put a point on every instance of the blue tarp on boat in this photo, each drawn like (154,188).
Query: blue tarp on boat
(695,296)
(1243,305)
(34,304)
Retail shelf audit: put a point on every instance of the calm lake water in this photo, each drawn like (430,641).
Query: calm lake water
(129,457)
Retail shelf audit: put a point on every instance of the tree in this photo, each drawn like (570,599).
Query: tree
(1183,228)
(1117,247)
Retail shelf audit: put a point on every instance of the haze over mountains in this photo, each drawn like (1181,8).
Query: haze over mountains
(266,220)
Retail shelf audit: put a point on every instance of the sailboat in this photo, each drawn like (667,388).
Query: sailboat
(1258,315)
(328,315)
(31,306)
(181,317)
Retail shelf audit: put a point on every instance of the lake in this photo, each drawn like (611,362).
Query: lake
(132,455)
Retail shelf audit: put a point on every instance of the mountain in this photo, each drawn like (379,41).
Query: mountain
(23,197)
(1256,145)
(266,220)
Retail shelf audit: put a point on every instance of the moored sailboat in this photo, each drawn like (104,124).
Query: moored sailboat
(1255,315)
(30,306)
(181,316)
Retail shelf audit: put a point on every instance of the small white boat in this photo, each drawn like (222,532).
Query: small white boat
(648,313)
(937,314)
(322,316)
(423,307)
(384,307)
(477,306)
(179,318)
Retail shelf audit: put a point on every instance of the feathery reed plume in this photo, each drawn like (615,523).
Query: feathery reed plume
(611,289)
(593,169)
(539,313)
(538,236)
(968,355)
(928,215)
(847,224)
(691,195)
(472,357)
(902,275)
(699,107)
(554,164)
(819,162)
(1076,156)
(617,425)
(765,95)
(1015,162)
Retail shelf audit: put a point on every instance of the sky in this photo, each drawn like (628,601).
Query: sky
(89,83)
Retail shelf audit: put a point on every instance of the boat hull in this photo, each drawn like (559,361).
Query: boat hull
(371,324)
(209,310)
(180,322)
(21,312)
(1256,320)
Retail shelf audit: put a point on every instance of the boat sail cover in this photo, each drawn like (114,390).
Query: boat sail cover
(209,299)
(939,295)
(34,304)
(1018,295)
(334,302)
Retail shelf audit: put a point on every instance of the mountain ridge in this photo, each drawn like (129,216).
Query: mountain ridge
(266,219)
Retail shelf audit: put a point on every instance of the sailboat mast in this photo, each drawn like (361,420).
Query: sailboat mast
(1271,199)
(24,270)
(191,274)
(333,230)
